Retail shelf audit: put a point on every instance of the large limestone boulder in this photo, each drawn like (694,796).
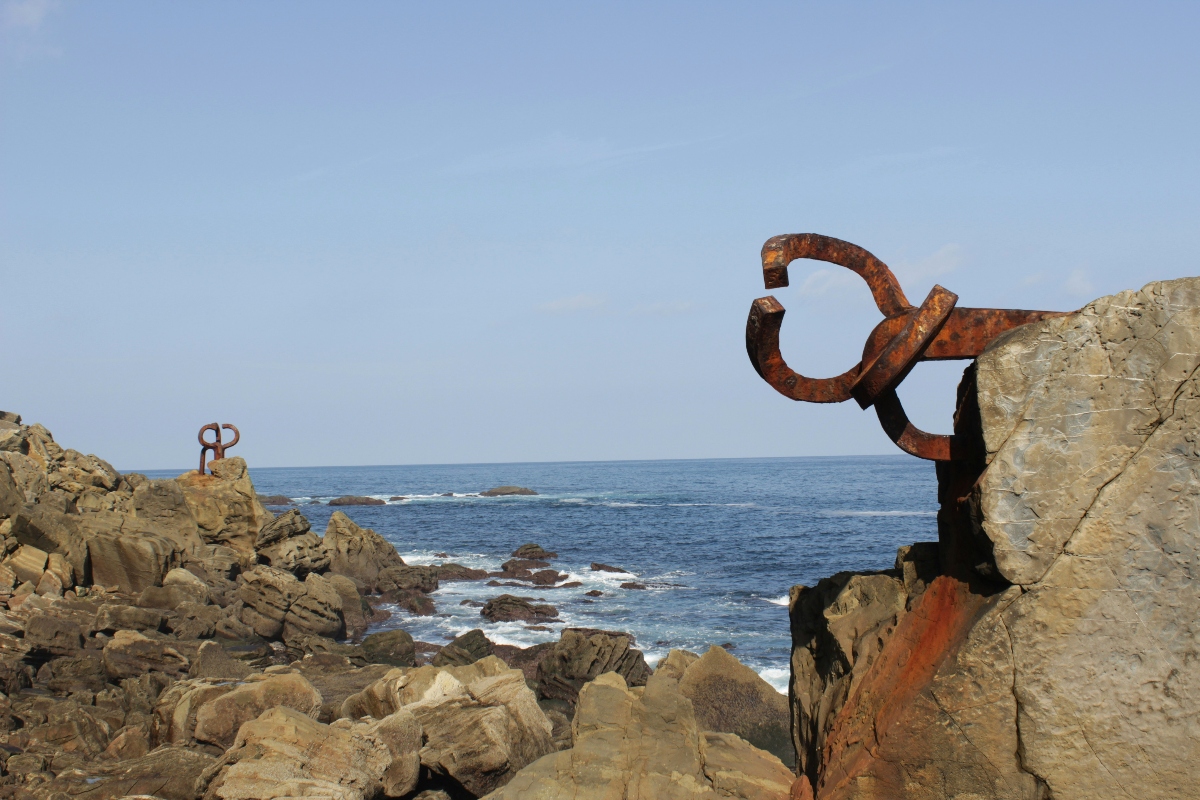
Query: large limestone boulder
(481,722)
(218,719)
(279,606)
(634,743)
(225,505)
(1089,500)
(1057,657)
(287,542)
(729,697)
(358,553)
(285,754)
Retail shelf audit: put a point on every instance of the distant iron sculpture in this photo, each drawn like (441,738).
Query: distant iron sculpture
(935,331)
(217,447)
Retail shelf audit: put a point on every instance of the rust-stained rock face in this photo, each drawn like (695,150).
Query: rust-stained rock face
(1056,657)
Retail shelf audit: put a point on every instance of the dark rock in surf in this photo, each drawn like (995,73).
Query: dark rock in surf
(457,572)
(276,500)
(531,550)
(466,649)
(598,567)
(510,608)
(633,585)
(508,491)
(351,500)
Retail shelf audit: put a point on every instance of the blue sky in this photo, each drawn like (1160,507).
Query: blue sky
(399,233)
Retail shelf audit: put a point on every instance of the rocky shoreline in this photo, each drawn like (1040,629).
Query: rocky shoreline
(174,638)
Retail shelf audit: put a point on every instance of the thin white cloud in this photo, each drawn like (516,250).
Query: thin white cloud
(574,304)
(1078,284)
(948,258)
(828,281)
(29,14)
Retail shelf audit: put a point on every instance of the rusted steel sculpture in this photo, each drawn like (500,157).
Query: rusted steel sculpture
(934,331)
(217,447)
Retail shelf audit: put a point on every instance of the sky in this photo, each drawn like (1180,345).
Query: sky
(387,233)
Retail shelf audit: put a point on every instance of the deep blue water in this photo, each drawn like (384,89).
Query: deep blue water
(723,539)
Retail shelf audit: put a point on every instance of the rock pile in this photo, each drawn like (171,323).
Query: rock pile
(174,639)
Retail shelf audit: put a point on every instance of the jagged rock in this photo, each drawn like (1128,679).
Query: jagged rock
(53,635)
(198,621)
(393,647)
(359,554)
(225,506)
(287,542)
(168,773)
(729,697)
(162,504)
(838,629)
(414,578)
(53,531)
(218,718)
(481,723)
(213,661)
(507,608)
(413,601)
(466,649)
(546,577)
(355,610)
(27,563)
(126,552)
(114,617)
(176,708)
(646,744)
(457,572)
(301,646)
(583,654)
(81,673)
(598,567)
(276,604)
(337,677)
(24,481)
(534,551)
(1051,659)
(178,587)
(317,612)
(284,753)
(1089,503)
(507,491)
(130,654)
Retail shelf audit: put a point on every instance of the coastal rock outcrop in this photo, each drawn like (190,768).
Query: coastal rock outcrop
(481,724)
(225,506)
(642,743)
(583,654)
(1053,653)
(284,753)
(358,553)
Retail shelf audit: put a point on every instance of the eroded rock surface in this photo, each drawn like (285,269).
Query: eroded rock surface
(1056,657)
(642,743)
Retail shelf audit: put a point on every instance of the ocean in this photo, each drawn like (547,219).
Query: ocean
(718,542)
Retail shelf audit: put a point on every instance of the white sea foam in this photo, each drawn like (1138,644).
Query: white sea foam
(778,678)
(880,514)
(779,601)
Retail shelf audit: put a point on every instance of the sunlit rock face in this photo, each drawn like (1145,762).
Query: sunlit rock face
(1065,663)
